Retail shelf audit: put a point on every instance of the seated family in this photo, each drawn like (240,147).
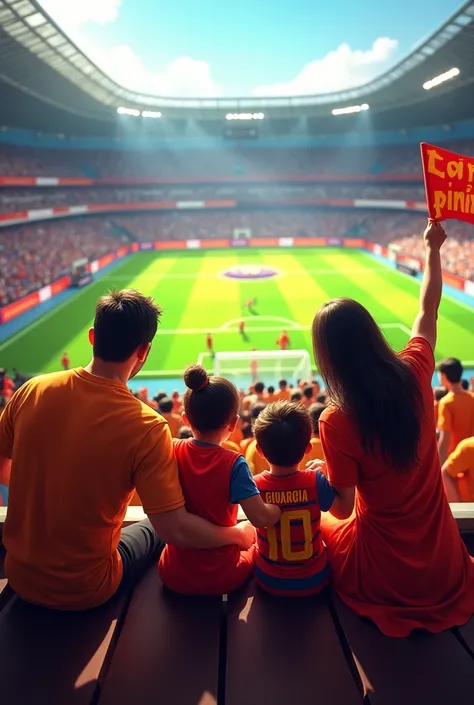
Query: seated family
(75,445)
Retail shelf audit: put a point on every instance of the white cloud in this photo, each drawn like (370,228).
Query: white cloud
(73,14)
(339,69)
(186,77)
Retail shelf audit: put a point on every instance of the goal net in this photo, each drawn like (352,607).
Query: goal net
(268,366)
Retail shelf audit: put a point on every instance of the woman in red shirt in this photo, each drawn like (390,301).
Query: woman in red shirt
(399,559)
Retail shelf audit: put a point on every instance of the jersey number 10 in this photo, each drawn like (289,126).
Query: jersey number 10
(303,515)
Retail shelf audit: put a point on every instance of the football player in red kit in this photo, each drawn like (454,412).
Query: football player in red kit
(283,341)
(214,481)
(65,361)
(209,344)
(291,557)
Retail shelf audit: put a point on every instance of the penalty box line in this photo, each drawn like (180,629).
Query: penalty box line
(228,327)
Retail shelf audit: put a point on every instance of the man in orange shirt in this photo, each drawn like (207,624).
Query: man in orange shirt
(283,393)
(173,420)
(74,445)
(455,409)
(460,464)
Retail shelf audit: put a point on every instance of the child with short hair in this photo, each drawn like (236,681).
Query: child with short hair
(291,557)
(214,481)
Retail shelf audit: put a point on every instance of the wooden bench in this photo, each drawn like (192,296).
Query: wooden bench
(422,668)
(168,651)
(55,658)
(284,652)
(155,647)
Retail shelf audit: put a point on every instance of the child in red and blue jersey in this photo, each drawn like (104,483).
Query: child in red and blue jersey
(291,557)
(214,481)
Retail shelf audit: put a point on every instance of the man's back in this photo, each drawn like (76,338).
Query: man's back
(79,443)
(456,415)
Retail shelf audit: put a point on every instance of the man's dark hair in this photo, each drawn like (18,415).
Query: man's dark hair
(259,387)
(439,393)
(124,320)
(465,384)
(308,391)
(185,432)
(283,431)
(296,396)
(165,406)
(321,398)
(452,368)
(255,411)
(160,396)
(315,411)
(271,390)
(283,384)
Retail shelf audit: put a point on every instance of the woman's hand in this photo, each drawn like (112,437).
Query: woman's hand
(434,234)
(245,535)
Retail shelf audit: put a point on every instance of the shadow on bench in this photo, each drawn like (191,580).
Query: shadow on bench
(54,658)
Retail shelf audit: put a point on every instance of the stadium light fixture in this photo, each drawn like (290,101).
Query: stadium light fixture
(350,109)
(437,80)
(151,114)
(244,116)
(128,111)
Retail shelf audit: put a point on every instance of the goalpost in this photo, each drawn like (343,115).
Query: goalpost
(268,366)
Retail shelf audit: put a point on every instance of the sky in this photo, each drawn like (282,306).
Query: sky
(214,48)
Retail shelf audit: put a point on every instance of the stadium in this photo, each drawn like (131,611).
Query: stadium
(240,217)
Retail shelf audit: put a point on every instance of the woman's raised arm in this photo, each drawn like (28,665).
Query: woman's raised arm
(431,286)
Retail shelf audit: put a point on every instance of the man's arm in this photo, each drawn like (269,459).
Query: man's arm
(451,486)
(444,441)
(180,528)
(431,286)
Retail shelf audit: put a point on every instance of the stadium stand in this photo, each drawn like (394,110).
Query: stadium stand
(12,199)
(213,164)
(147,645)
(33,256)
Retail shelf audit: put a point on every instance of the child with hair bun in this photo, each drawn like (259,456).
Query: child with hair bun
(214,481)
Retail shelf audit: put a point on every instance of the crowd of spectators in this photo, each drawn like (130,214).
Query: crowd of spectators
(457,255)
(12,199)
(214,163)
(32,256)
(379,226)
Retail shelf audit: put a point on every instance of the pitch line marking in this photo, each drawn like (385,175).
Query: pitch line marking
(278,319)
(285,272)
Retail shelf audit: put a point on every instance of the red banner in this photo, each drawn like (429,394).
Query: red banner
(449,183)
(17,307)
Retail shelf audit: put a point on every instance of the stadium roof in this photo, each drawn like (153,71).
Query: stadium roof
(48,84)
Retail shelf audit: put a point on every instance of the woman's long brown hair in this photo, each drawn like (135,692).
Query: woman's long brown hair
(367,380)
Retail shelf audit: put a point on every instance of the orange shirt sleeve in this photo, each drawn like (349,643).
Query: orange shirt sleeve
(342,466)
(445,422)
(461,459)
(7,423)
(156,472)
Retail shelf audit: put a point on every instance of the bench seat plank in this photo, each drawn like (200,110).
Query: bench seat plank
(284,652)
(168,650)
(49,657)
(422,668)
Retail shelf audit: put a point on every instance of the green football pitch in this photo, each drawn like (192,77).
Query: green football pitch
(197,299)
